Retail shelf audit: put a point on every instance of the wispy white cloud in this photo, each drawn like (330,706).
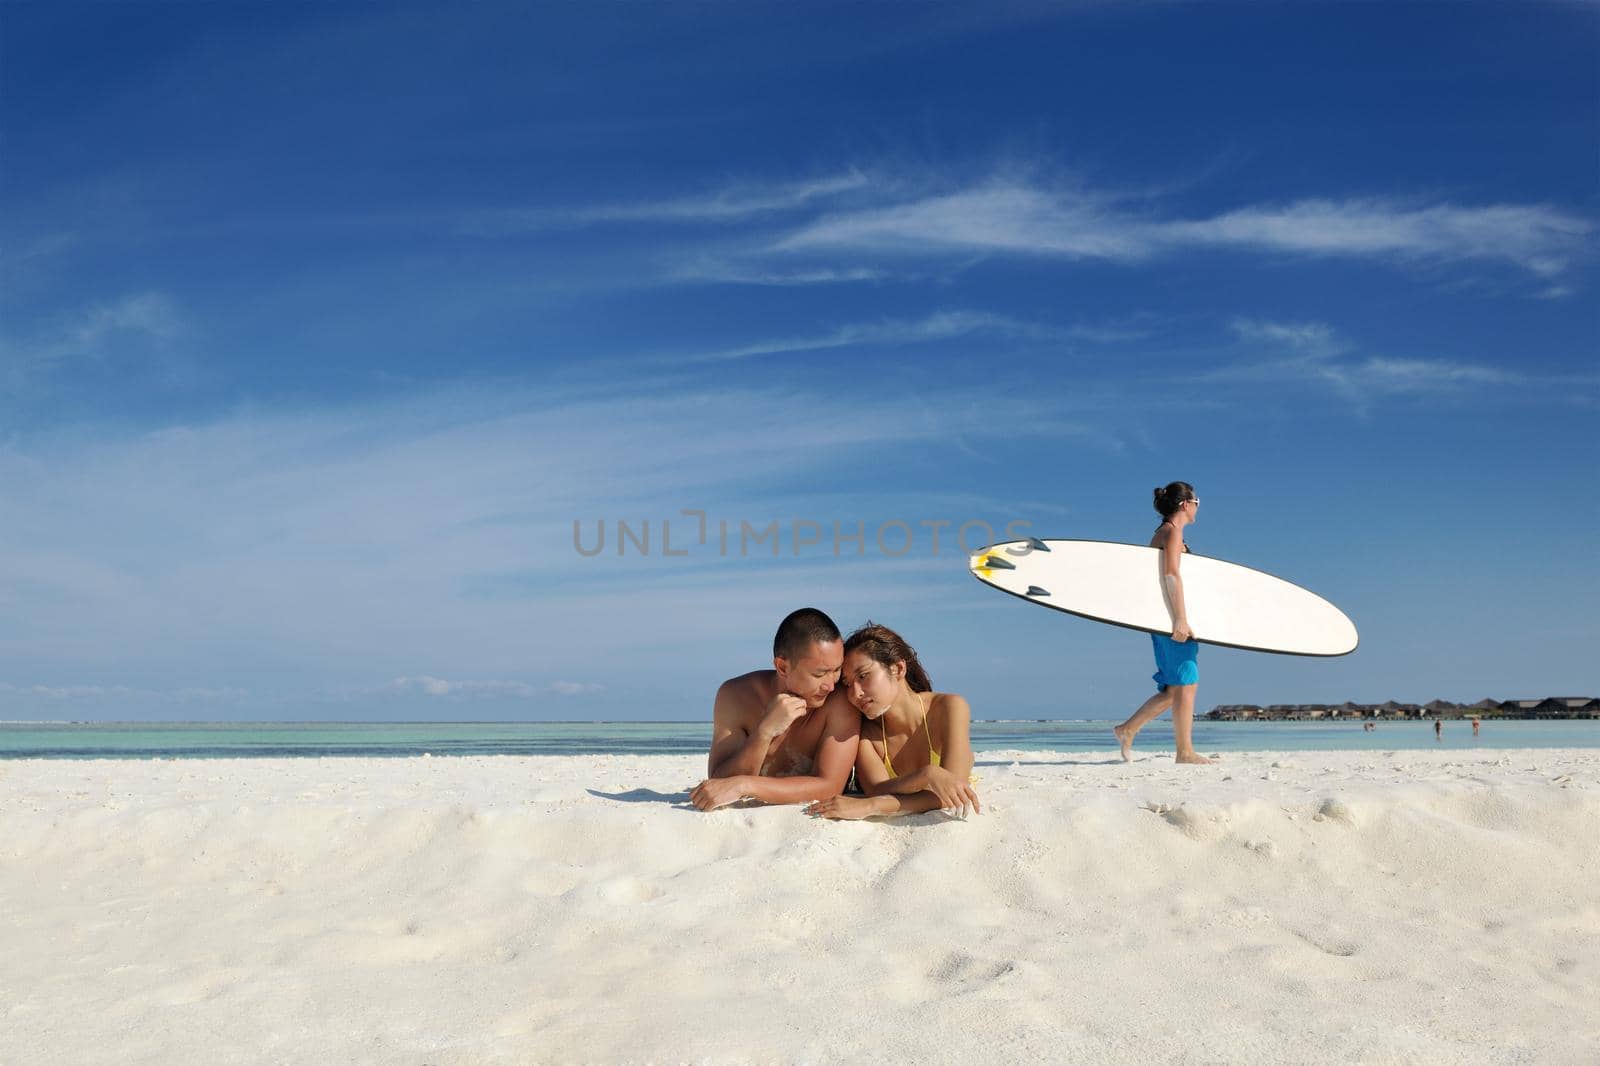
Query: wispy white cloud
(1111,332)
(726,271)
(1314,353)
(1304,338)
(943,325)
(438,687)
(1001,216)
(93,333)
(575,688)
(1376,375)
(64,693)
(1537,238)
(1007,216)
(735,202)
(864,225)
(149,314)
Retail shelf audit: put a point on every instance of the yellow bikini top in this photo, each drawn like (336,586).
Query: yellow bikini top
(933,756)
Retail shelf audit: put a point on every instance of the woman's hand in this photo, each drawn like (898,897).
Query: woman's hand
(954,793)
(1182,633)
(843,808)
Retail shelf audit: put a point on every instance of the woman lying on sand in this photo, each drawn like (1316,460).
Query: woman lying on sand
(915,753)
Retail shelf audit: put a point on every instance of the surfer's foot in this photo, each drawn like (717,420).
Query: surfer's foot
(1194,759)
(1124,737)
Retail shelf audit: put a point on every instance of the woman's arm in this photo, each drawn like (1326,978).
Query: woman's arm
(874,779)
(871,774)
(957,746)
(1172,582)
(851,808)
(942,787)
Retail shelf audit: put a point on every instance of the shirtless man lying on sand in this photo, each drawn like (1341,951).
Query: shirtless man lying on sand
(784,735)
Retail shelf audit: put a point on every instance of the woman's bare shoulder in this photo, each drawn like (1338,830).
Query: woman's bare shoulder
(948,704)
(1165,534)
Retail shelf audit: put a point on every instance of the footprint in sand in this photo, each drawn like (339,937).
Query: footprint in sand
(1328,941)
(962,969)
(1264,848)
(1335,810)
(1194,824)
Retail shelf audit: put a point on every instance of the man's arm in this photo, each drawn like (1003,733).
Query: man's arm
(835,752)
(739,746)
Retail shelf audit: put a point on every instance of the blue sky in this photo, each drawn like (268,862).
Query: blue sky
(322,325)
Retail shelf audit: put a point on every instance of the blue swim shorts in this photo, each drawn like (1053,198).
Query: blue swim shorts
(1176,664)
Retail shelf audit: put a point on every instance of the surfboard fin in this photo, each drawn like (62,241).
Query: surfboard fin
(1035,590)
(994,562)
(1029,546)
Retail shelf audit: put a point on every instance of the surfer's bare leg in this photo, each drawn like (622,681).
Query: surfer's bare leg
(1183,723)
(1137,721)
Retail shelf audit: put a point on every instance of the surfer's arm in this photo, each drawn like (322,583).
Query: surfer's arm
(1172,580)
(736,748)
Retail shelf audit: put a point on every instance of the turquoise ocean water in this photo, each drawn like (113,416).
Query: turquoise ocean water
(235,740)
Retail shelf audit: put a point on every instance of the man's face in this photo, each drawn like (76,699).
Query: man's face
(813,674)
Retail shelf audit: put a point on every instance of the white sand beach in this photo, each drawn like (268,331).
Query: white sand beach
(1429,907)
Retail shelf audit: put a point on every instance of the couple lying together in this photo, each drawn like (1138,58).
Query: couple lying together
(792,734)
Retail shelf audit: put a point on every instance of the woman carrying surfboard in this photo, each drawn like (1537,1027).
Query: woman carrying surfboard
(1177,657)
(915,752)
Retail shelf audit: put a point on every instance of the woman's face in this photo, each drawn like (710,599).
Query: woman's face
(871,686)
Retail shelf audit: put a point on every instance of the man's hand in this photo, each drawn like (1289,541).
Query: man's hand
(843,808)
(953,793)
(716,792)
(783,710)
(1182,633)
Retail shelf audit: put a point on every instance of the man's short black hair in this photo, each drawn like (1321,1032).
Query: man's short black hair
(800,630)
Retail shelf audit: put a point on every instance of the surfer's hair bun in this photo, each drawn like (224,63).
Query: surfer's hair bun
(1175,495)
(886,647)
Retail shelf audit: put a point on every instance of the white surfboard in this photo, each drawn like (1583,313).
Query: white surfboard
(1228,604)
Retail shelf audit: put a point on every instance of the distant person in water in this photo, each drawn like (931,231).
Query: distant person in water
(1177,657)
(785,735)
(915,752)
(1438,729)
(1475,725)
